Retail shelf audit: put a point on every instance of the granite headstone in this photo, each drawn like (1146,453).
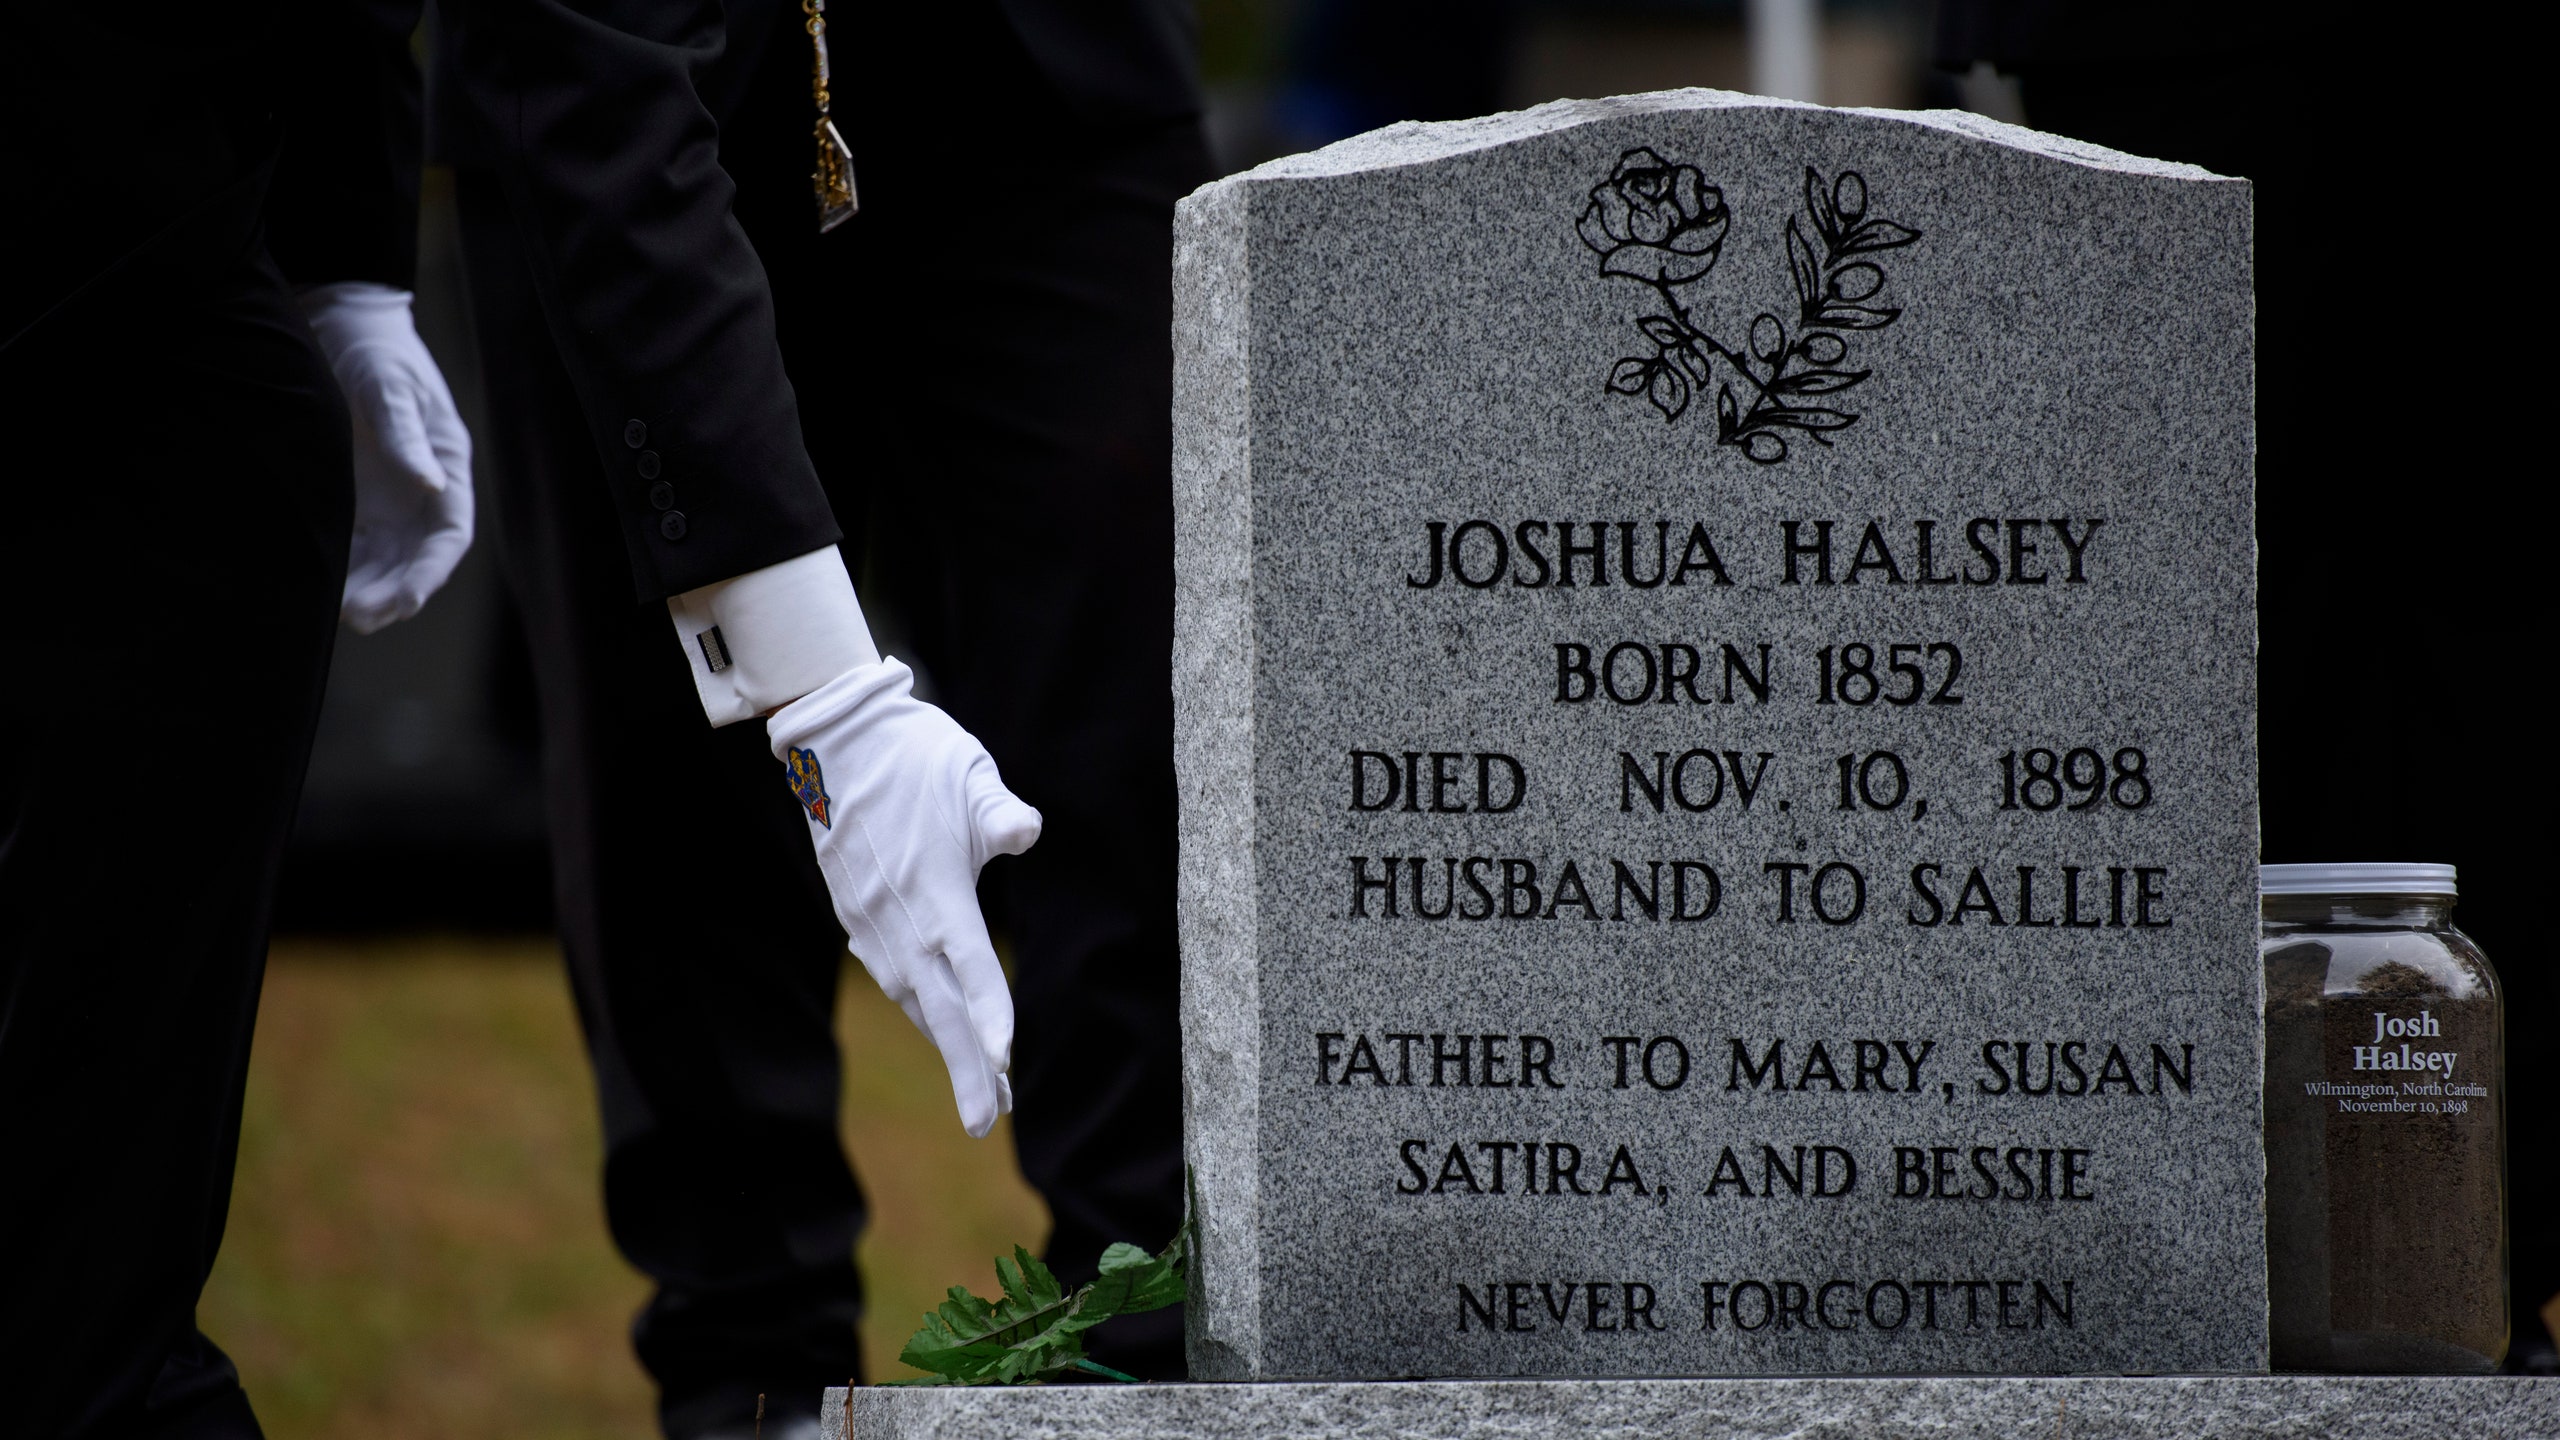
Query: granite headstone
(1716,729)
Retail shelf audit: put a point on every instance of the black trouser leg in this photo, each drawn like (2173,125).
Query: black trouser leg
(1007,445)
(700,942)
(177,534)
(1059,653)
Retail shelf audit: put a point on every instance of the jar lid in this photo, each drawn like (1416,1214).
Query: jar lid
(2355,880)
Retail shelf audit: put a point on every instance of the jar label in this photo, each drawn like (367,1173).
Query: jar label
(2414,1060)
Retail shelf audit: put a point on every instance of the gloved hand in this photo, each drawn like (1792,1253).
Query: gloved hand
(413,458)
(906,808)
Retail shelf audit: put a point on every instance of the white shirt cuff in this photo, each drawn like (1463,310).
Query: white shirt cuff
(770,636)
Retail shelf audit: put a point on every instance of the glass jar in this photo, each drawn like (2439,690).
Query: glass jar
(2386,1130)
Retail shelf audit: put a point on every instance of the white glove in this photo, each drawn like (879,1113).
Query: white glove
(906,808)
(413,458)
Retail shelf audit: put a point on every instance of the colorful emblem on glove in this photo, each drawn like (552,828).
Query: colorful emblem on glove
(808,786)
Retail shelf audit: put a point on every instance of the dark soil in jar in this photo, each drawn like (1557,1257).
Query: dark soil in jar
(2386,1238)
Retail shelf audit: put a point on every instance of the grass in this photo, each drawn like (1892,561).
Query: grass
(417,1244)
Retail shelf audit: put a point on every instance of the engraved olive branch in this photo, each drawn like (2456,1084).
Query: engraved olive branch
(1834,287)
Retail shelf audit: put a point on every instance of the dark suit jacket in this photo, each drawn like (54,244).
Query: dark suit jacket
(602,119)
(599,116)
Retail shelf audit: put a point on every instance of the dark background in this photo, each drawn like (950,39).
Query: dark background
(2401,276)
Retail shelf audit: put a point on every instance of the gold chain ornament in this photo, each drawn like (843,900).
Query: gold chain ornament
(833,179)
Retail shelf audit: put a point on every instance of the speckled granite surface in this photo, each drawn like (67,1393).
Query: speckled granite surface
(2088,1408)
(1555,1001)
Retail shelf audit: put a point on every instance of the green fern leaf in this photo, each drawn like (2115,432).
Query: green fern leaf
(1033,1332)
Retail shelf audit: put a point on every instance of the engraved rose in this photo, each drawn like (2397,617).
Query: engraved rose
(1662,225)
(1655,221)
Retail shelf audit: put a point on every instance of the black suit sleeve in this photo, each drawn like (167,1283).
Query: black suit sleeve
(594,114)
(344,201)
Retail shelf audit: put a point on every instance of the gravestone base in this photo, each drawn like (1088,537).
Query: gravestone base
(2490,1407)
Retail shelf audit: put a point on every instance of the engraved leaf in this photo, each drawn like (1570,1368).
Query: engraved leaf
(1669,334)
(1817,382)
(1692,363)
(1849,196)
(1817,205)
(1802,264)
(1768,338)
(1849,317)
(1678,263)
(1855,282)
(1805,418)
(1669,392)
(1823,349)
(1725,413)
(1878,235)
(1630,376)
